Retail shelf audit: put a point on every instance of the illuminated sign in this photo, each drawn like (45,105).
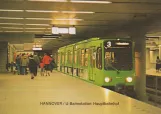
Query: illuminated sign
(70,30)
(108,44)
(55,30)
(37,48)
(122,43)
(63,30)
(117,44)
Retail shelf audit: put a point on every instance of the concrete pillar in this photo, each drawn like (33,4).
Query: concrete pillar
(140,64)
(3,56)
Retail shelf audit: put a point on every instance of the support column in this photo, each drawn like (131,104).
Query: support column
(3,56)
(140,64)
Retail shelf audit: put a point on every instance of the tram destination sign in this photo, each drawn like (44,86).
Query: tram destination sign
(117,44)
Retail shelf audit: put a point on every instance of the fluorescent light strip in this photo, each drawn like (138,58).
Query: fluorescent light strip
(39,24)
(152,36)
(11,24)
(13,31)
(98,2)
(76,12)
(42,11)
(39,19)
(49,38)
(35,28)
(9,10)
(34,31)
(49,11)
(11,28)
(10,18)
(48,0)
(69,19)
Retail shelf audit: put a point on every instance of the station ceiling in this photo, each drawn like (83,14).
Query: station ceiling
(21,19)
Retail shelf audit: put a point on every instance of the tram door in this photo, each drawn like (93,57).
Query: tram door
(91,65)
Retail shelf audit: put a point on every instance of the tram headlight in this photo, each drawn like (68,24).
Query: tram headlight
(107,79)
(129,79)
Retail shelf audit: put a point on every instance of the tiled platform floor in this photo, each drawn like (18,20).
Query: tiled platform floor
(21,95)
(153,72)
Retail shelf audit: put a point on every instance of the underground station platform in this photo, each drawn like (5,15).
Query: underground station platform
(63,94)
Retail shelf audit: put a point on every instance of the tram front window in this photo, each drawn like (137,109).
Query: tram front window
(118,58)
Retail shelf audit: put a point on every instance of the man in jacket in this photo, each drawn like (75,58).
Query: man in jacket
(37,60)
(24,63)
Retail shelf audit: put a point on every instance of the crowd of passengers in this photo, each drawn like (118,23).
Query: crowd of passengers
(25,62)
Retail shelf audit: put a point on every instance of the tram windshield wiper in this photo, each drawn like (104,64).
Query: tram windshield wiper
(115,69)
(110,65)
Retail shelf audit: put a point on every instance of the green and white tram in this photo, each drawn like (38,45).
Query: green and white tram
(104,62)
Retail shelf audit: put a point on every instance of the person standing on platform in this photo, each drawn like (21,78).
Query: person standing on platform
(24,64)
(37,60)
(158,64)
(52,64)
(32,66)
(18,62)
(46,61)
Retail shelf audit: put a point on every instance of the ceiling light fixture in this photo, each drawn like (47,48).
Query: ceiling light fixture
(38,24)
(10,10)
(13,31)
(153,36)
(77,12)
(83,1)
(39,19)
(50,11)
(35,28)
(49,38)
(10,18)
(69,19)
(11,24)
(34,31)
(48,0)
(11,28)
(42,11)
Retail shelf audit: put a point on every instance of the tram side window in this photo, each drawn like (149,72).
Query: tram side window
(65,58)
(79,56)
(75,57)
(69,57)
(99,58)
(62,58)
(58,61)
(86,57)
(93,59)
(82,57)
